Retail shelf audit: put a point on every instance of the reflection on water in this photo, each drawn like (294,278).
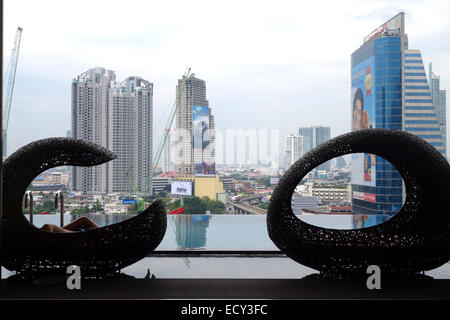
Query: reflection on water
(365,221)
(212,232)
(190,231)
(101,219)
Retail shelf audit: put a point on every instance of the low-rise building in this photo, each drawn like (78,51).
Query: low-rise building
(205,186)
(228,184)
(331,194)
(161,184)
(298,203)
(116,208)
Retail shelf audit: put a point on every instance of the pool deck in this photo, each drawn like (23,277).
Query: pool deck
(307,288)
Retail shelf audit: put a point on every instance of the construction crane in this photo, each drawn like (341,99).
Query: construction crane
(10,87)
(162,143)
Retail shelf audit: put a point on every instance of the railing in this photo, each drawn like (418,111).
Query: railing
(59,195)
(28,202)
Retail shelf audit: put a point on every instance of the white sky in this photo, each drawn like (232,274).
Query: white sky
(267,64)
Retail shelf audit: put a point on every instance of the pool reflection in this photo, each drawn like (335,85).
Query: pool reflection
(190,231)
(100,219)
(365,221)
(223,231)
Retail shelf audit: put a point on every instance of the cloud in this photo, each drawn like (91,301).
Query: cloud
(275,64)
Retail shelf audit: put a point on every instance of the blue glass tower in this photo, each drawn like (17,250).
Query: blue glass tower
(313,137)
(389,90)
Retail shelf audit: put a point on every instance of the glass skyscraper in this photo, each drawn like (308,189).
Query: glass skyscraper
(389,90)
(313,137)
(439,101)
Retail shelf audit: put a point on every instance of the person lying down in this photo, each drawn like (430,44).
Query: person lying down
(80,224)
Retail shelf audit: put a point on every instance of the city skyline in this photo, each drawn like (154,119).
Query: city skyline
(287,78)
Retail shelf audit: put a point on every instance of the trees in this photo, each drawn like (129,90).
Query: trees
(82,210)
(47,205)
(97,206)
(263,206)
(133,209)
(195,205)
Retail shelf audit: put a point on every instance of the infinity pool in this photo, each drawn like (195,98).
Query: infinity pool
(221,232)
(224,232)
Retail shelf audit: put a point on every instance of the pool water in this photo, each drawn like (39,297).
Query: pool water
(221,232)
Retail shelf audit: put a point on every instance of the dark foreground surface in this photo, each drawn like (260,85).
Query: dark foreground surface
(310,287)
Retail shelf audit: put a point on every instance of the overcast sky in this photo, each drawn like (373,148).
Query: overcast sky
(267,64)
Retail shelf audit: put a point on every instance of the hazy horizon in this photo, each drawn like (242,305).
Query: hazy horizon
(266,66)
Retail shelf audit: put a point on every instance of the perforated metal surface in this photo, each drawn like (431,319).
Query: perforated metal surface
(30,250)
(415,239)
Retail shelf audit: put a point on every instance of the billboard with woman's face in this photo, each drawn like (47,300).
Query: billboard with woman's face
(201,139)
(200,127)
(363,117)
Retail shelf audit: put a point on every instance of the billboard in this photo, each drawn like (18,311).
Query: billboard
(364,196)
(274,181)
(201,139)
(181,188)
(363,117)
(396,23)
(129,201)
(207,169)
(200,127)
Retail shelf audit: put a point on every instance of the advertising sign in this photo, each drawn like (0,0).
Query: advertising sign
(181,188)
(201,139)
(129,201)
(396,23)
(364,196)
(274,181)
(208,169)
(363,117)
(200,127)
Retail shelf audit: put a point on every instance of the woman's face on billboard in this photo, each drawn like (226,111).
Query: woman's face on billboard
(357,110)
(365,120)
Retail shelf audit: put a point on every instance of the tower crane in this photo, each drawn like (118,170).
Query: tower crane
(10,86)
(162,143)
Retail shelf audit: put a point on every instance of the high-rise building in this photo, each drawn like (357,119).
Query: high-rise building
(130,135)
(90,123)
(439,101)
(313,137)
(340,163)
(195,131)
(294,149)
(389,90)
(420,113)
(117,116)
